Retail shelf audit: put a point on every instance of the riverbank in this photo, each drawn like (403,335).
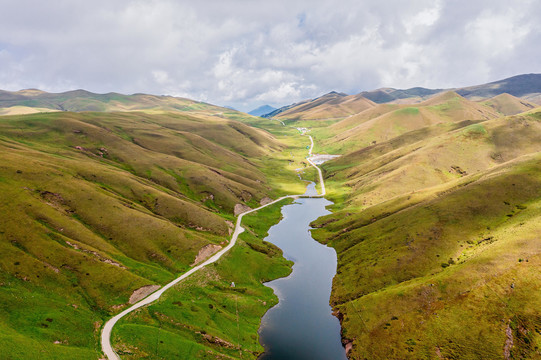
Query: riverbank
(302,326)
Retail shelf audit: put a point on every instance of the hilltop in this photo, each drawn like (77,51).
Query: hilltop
(527,87)
(384,122)
(262,110)
(507,104)
(386,95)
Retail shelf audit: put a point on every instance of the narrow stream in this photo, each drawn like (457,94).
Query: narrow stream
(301,326)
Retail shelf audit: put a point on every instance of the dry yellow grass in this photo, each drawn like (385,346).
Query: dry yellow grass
(330,106)
(22,110)
(395,120)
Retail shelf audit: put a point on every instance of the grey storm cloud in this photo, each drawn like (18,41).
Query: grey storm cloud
(246,53)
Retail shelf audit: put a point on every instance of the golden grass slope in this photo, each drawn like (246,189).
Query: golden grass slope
(434,156)
(438,243)
(366,128)
(22,110)
(329,106)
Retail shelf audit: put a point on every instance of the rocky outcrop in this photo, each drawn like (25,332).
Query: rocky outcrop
(100,258)
(205,252)
(230,226)
(142,292)
(265,201)
(240,208)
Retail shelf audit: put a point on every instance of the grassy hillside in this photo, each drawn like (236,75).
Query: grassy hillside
(432,156)
(437,240)
(82,100)
(98,205)
(205,317)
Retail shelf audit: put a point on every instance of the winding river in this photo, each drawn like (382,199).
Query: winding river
(303,312)
(301,326)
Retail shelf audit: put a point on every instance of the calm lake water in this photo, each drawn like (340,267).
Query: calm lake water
(301,326)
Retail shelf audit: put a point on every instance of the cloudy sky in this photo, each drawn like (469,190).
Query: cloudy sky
(245,53)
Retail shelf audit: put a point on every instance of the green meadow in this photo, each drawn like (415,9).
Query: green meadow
(98,205)
(205,316)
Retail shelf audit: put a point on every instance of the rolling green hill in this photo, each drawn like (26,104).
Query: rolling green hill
(436,232)
(98,205)
(82,100)
(525,86)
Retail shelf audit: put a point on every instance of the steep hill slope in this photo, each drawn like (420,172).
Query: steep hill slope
(526,86)
(23,110)
(100,205)
(436,232)
(330,106)
(262,110)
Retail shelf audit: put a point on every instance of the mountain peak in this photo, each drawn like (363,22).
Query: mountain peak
(262,110)
(30,92)
(442,98)
(334,93)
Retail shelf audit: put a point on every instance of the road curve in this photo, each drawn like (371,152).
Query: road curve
(108,327)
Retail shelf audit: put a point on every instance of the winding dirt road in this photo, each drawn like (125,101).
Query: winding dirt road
(108,327)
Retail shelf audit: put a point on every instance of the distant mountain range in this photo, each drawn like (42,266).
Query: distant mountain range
(262,110)
(332,105)
(526,87)
(33,100)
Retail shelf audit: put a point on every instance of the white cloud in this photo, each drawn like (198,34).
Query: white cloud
(246,53)
(495,34)
(161,77)
(426,17)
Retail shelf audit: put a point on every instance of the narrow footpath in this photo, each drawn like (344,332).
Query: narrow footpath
(108,327)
